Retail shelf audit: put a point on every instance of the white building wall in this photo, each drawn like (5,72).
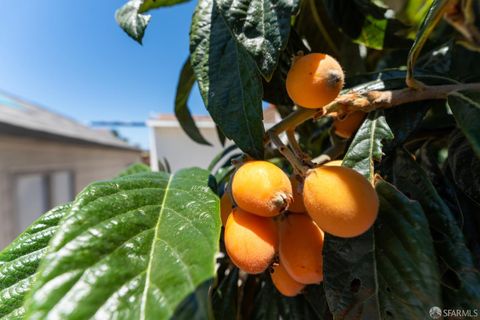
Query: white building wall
(168,140)
(181,151)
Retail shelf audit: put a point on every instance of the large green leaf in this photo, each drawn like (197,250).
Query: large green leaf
(460,279)
(184,117)
(131,19)
(388,272)
(465,106)
(228,78)
(350,270)
(366,147)
(19,262)
(261,27)
(132,248)
(408,279)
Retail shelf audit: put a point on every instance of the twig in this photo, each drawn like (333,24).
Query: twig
(296,163)
(368,101)
(292,141)
(292,121)
(346,103)
(373,100)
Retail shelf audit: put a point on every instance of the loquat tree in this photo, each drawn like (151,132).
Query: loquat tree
(363,202)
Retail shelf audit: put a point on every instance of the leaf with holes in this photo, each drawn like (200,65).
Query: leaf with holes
(19,262)
(229,82)
(134,247)
(260,26)
(389,271)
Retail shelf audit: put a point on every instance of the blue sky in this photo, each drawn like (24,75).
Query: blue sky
(71,57)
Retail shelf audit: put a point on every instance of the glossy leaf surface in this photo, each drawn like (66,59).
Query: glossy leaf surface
(20,260)
(132,248)
(229,81)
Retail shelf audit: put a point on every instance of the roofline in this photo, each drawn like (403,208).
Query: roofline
(19,131)
(175,124)
(35,104)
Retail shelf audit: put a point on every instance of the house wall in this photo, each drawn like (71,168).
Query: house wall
(182,152)
(20,155)
(168,140)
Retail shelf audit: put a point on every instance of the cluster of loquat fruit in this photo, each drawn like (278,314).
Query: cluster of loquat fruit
(277,222)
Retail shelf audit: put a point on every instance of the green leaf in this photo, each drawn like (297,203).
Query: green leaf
(388,272)
(367,144)
(275,89)
(228,79)
(221,155)
(465,106)
(19,262)
(315,296)
(221,137)
(225,297)
(260,26)
(184,117)
(349,270)
(408,279)
(412,12)
(134,169)
(133,248)
(131,21)
(460,279)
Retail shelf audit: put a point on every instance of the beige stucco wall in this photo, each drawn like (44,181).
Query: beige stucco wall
(88,163)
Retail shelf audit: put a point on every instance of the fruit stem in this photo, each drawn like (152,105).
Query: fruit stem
(292,141)
(292,121)
(296,163)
